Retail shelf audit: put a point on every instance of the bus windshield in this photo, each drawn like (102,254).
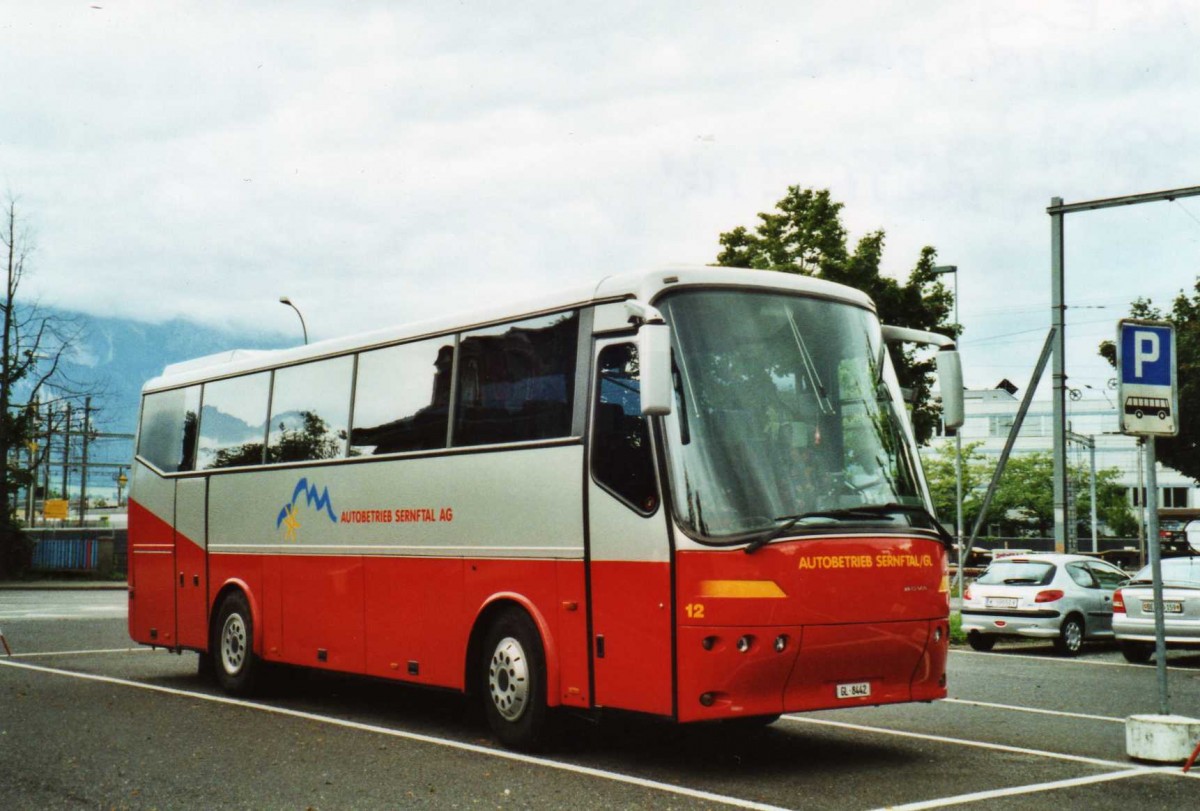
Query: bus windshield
(788,415)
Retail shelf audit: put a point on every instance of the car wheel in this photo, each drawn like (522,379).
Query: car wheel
(236,665)
(981,642)
(1070,637)
(1137,652)
(513,671)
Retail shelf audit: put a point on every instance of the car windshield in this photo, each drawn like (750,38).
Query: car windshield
(1018,573)
(1176,572)
(786,407)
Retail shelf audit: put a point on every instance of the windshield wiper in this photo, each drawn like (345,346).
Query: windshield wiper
(867,512)
(685,432)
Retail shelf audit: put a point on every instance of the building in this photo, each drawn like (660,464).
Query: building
(990,414)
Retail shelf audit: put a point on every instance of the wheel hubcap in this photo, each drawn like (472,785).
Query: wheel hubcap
(233,643)
(1074,636)
(508,679)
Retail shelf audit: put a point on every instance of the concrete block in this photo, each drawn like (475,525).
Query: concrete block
(1161,738)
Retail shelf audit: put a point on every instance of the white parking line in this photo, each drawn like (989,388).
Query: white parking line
(1068,660)
(1015,790)
(1033,710)
(998,747)
(411,736)
(41,654)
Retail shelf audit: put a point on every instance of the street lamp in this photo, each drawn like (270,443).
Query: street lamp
(288,302)
(958,474)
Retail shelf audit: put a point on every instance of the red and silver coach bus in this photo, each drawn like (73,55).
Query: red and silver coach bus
(692,493)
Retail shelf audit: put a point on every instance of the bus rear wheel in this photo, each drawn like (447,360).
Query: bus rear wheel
(513,674)
(236,665)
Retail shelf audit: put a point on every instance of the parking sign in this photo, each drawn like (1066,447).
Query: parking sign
(1147,394)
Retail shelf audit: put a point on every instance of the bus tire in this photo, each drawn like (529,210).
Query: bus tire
(236,666)
(1070,636)
(513,671)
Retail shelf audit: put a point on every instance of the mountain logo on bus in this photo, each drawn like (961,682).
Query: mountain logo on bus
(315,500)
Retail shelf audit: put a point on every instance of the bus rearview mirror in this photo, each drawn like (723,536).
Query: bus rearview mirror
(654,353)
(950,382)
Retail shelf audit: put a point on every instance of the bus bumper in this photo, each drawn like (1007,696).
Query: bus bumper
(731,672)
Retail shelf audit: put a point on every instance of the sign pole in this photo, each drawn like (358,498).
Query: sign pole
(1148,403)
(1160,632)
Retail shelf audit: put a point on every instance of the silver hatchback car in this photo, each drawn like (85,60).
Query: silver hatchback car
(1133,606)
(1065,598)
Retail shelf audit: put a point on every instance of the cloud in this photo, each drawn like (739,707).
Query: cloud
(380,163)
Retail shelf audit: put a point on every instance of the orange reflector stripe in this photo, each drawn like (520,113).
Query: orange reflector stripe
(738,589)
(944,588)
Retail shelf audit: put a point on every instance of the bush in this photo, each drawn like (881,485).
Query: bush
(16,551)
(957,637)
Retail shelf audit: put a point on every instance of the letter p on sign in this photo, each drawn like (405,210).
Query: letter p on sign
(1146,350)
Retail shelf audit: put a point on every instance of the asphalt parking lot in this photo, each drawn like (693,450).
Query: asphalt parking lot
(87,720)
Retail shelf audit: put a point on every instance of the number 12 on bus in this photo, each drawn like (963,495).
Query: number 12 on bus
(692,493)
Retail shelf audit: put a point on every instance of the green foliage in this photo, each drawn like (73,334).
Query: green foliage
(1181,452)
(805,235)
(939,472)
(1024,499)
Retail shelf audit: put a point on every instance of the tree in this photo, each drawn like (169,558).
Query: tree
(805,235)
(1024,499)
(33,346)
(1181,452)
(939,472)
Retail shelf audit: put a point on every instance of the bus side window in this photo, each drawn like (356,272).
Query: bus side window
(168,436)
(233,421)
(622,461)
(516,381)
(402,398)
(310,411)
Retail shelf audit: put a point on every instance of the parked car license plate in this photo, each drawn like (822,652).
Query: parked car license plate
(1002,602)
(1169,606)
(858,689)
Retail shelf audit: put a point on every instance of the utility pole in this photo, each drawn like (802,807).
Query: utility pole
(1058,211)
(66,463)
(87,431)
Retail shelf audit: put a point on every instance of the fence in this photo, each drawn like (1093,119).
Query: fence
(1123,552)
(99,551)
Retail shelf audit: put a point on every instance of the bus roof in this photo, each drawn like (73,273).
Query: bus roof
(645,286)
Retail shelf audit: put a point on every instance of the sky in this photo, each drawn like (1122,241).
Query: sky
(384,162)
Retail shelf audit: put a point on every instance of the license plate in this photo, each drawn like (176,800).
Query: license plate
(1002,602)
(1169,606)
(858,689)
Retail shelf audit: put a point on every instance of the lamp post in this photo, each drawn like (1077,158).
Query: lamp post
(958,473)
(288,302)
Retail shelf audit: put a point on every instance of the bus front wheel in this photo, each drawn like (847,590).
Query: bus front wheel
(236,666)
(514,682)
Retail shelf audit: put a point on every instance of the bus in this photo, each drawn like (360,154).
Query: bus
(692,493)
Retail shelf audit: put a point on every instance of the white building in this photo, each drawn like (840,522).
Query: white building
(990,414)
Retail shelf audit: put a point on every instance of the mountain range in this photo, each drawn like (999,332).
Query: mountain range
(117,355)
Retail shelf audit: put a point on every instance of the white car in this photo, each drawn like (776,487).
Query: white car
(1133,604)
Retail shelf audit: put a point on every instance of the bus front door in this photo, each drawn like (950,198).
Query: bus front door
(629,552)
